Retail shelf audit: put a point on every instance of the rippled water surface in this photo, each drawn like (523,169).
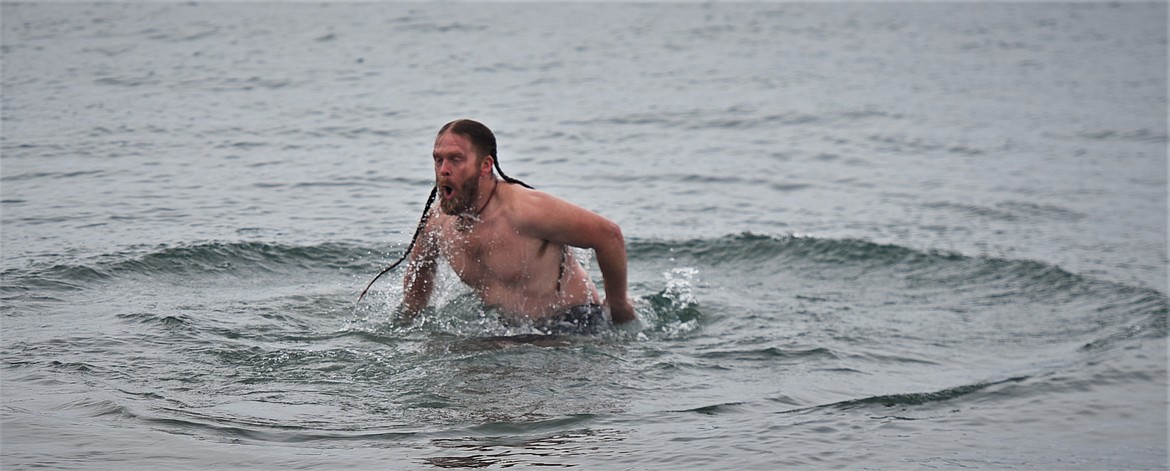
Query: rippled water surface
(861,236)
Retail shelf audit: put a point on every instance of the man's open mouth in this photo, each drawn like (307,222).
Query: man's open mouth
(447,191)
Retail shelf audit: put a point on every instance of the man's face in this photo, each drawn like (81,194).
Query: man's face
(457,169)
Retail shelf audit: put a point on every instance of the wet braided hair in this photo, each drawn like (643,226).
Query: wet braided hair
(484,143)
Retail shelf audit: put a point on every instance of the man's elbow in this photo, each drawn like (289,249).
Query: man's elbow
(612,233)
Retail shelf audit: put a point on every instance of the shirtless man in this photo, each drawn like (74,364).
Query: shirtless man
(510,243)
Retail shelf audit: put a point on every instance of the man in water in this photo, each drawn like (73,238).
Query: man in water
(510,243)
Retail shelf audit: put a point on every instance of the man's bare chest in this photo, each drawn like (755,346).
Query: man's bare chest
(489,254)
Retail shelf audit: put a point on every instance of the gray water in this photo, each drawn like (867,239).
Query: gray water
(861,235)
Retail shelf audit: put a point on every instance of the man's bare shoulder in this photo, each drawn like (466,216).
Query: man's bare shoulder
(542,215)
(528,205)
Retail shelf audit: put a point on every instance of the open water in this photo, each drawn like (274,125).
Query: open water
(861,235)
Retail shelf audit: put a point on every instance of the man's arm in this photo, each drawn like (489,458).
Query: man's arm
(419,281)
(611,259)
(559,221)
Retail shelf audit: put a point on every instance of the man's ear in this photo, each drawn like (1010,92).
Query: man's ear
(486,167)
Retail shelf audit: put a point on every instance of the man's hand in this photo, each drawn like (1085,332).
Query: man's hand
(621,309)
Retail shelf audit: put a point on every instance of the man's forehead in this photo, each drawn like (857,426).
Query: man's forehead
(450,142)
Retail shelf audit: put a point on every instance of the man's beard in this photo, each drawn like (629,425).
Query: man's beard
(462,201)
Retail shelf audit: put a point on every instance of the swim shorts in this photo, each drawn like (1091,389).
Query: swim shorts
(583,319)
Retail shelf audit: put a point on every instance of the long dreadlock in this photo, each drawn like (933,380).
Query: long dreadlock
(485,143)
